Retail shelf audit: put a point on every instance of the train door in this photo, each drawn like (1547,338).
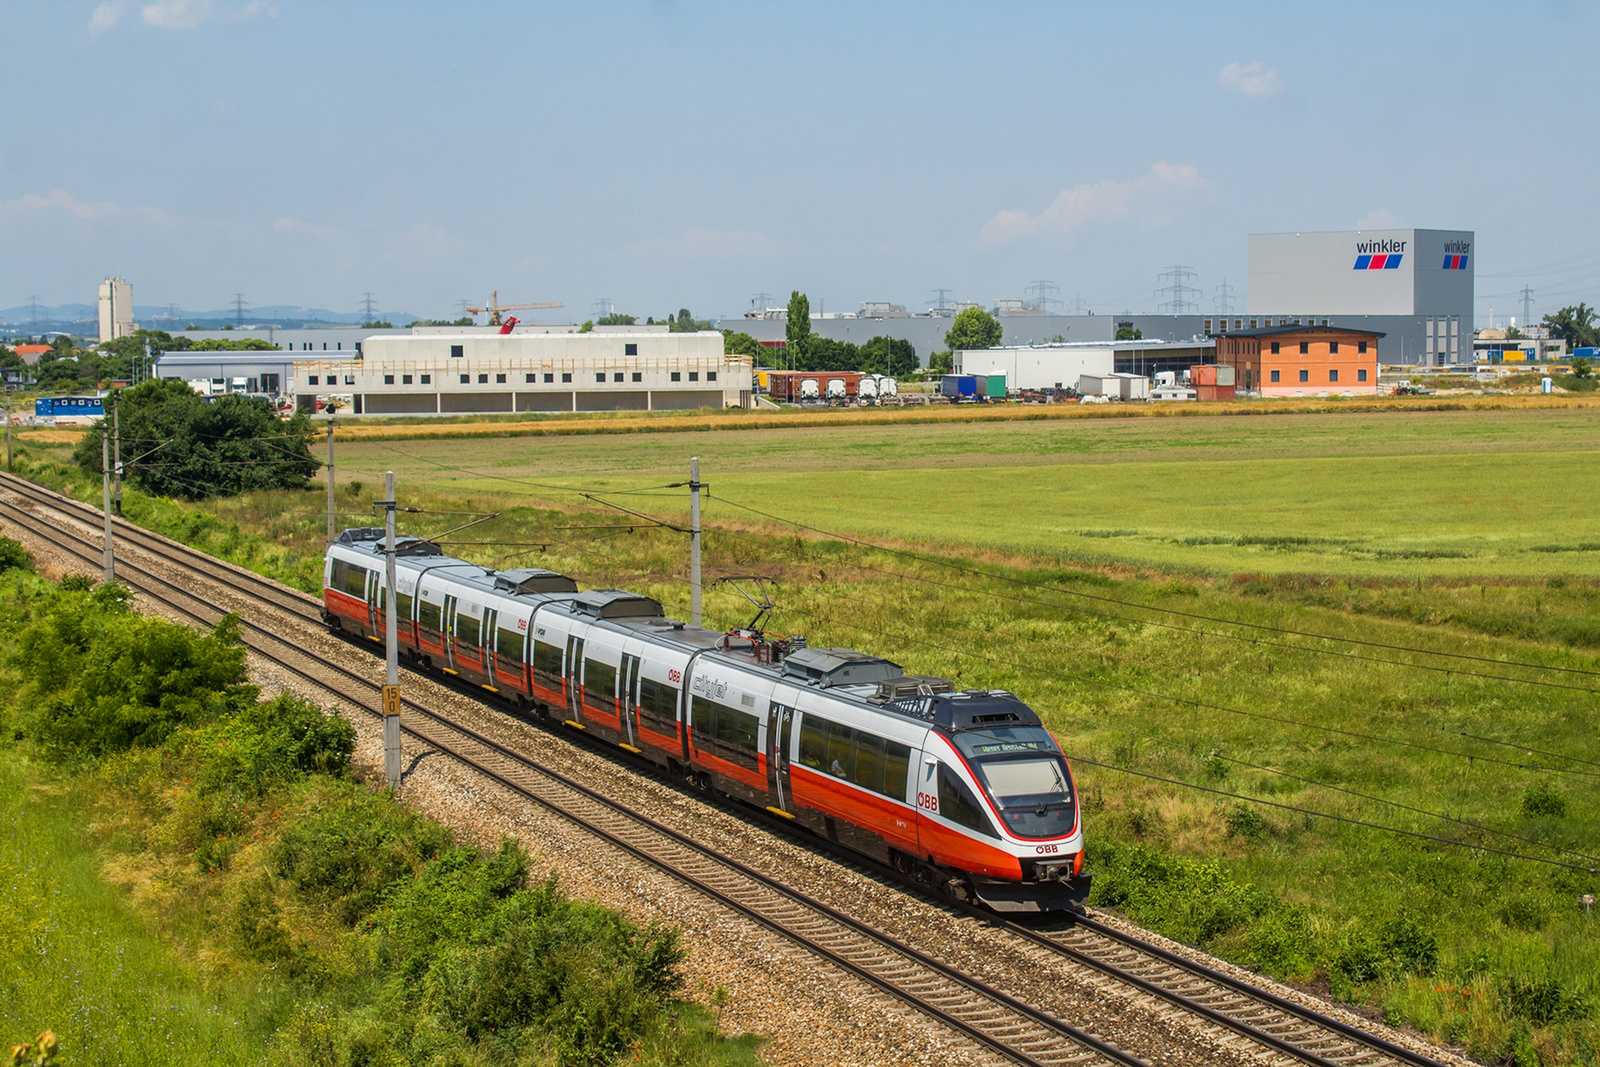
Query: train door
(780,722)
(628,683)
(374,584)
(447,633)
(574,678)
(491,652)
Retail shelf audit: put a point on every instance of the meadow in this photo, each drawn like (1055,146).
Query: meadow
(1407,823)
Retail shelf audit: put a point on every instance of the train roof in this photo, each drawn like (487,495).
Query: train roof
(531,583)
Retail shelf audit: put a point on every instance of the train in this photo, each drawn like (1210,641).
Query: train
(964,792)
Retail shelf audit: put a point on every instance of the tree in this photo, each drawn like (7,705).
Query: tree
(176,444)
(1513,334)
(616,318)
(740,344)
(687,323)
(891,356)
(1128,333)
(973,328)
(1580,367)
(1576,325)
(797,330)
(377,324)
(940,362)
(587,327)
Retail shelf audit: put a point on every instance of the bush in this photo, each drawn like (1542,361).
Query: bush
(1544,800)
(1246,822)
(99,679)
(13,556)
(1541,1000)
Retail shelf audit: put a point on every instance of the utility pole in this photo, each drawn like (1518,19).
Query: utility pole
(1527,310)
(8,425)
(116,453)
(391,645)
(109,573)
(330,483)
(694,541)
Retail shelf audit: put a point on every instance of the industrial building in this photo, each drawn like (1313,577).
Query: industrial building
(1302,360)
(1060,365)
(1414,288)
(116,309)
(624,368)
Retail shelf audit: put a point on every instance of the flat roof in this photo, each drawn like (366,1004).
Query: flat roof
(1277,331)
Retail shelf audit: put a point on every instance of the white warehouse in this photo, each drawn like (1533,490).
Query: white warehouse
(631,368)
(1061,364)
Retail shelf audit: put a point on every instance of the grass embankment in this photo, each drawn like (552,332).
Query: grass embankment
(1482,950)
(194,876)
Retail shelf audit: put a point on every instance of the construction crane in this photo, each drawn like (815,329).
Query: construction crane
(495,307)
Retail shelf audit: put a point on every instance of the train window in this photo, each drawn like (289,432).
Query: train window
(508,646)
(658,705)
(428,617)
(468,627)
(869,762)
(841,752)
(813,742)
(957,803)
(727,733)
(599,685)
(355,581)
(336,575)
(403,602)
(547,664)
(896,768)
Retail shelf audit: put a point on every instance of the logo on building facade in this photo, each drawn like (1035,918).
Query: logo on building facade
(1379,255)
(1455,262)
(1455,254)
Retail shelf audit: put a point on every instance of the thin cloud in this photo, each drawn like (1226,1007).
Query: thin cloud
(105,16)
(1148,198)
(302,227)
(187,14)
(1378,220)
(1249,79)
(60,198)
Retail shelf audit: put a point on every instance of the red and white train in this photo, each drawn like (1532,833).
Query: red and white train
(964,791)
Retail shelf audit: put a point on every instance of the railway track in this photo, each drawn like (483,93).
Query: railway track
(1282,1029)
(989,1017)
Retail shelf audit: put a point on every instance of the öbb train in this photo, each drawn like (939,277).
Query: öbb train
(963,791)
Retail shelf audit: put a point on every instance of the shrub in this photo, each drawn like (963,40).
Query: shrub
(1407,947)
(1246,822)
(13,556)
(99,679)
(1541,1000)
(1544,800)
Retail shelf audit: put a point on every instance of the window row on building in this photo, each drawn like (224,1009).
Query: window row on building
(529,378)
(1333,375)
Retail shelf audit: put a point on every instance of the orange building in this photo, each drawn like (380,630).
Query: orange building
(1302,360)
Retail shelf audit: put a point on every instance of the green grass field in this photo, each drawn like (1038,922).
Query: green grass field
(1211,753)
(1453,494)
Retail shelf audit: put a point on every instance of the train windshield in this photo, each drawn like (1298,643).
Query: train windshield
(1023,771)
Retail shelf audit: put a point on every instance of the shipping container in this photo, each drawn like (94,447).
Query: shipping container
(1213,392)
(956,386)
(995,386)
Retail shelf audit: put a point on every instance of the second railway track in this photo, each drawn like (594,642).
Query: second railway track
(1280,1028)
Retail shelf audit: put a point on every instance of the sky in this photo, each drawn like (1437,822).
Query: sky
(665,155)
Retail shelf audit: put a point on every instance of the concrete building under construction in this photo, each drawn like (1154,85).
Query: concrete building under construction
(632,368)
